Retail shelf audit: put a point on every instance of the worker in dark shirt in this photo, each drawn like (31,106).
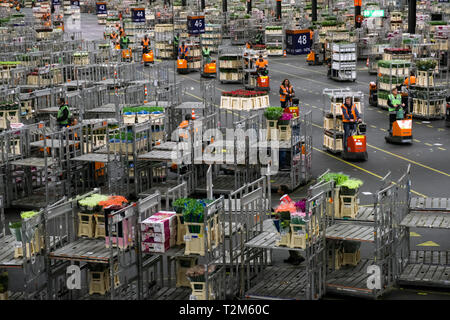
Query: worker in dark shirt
(64,115)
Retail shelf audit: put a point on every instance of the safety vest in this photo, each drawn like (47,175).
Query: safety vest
(261,63)
(184,125)
(395,101)
(285,91)
(113,35)
(184,49)
(206,52)
(351,114)
(410,80)
(60,113)
(145,42)
(311,34)
(124,42)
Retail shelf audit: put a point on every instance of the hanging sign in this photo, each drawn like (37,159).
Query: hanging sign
(373,13)
(101,8)
(196,24)
(138,15)
(298,41)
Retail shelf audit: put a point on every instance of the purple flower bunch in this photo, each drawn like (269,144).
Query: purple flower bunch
(301,205)
(286,116)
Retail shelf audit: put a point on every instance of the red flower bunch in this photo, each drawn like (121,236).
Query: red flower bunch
(397,50)
(243,93)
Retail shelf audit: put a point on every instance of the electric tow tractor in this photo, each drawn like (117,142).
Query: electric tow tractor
(316,56)
(356,144)
(182,65)
(258,80)
(147,57)
(209,68)
(401,132)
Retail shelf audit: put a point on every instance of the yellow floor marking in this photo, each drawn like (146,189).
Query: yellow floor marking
(441,148)
(362,169)
(415,140)
(418,122)
(429,126)
(382,129)
(428,244)
(411,161)
(414,234)
(428,144)
(422,293)
(440,129)
(379,111)
(373,126)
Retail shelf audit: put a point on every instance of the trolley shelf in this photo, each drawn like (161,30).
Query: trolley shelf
(84,249)
(351,280)
(426,275)
(32,162)
(430,257)
(94,157)
(7,259)
(169,145)
(351,231)
(162,155)
(222,184)
(430,204)
(426,219)
(170,293)
(268,240)
(280,283)
(53,143)
(364,214)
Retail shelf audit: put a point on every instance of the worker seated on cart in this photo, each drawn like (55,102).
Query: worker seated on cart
(145,43)
(394,104)
(124,42)
(206,53)
(183,50)
(350,116)
(286,93)
(261,64)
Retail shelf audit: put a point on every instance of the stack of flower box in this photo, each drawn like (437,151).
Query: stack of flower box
(393,74)
(404,54)
(244,100)
(88,216)
(140,114)
(345,195)
(274,40)
(230,67)
(396,21)
(159,232)
(36,240)
(81,58)
(122,233)
(5,69)
(436,25)
(123,142)
(429,97)
(9,111)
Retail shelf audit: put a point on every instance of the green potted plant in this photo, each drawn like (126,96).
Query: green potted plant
(15,229)
(273,113)
(4,286)
(193,212)
(350,187)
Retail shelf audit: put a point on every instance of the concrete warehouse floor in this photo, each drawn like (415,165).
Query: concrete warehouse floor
(428,155)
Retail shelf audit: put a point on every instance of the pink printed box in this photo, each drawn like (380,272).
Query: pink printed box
(149,247)
(160,222)
(160,237)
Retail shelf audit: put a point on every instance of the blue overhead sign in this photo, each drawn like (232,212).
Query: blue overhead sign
(298,42)
(101,8)
(138,15)
(196,25)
